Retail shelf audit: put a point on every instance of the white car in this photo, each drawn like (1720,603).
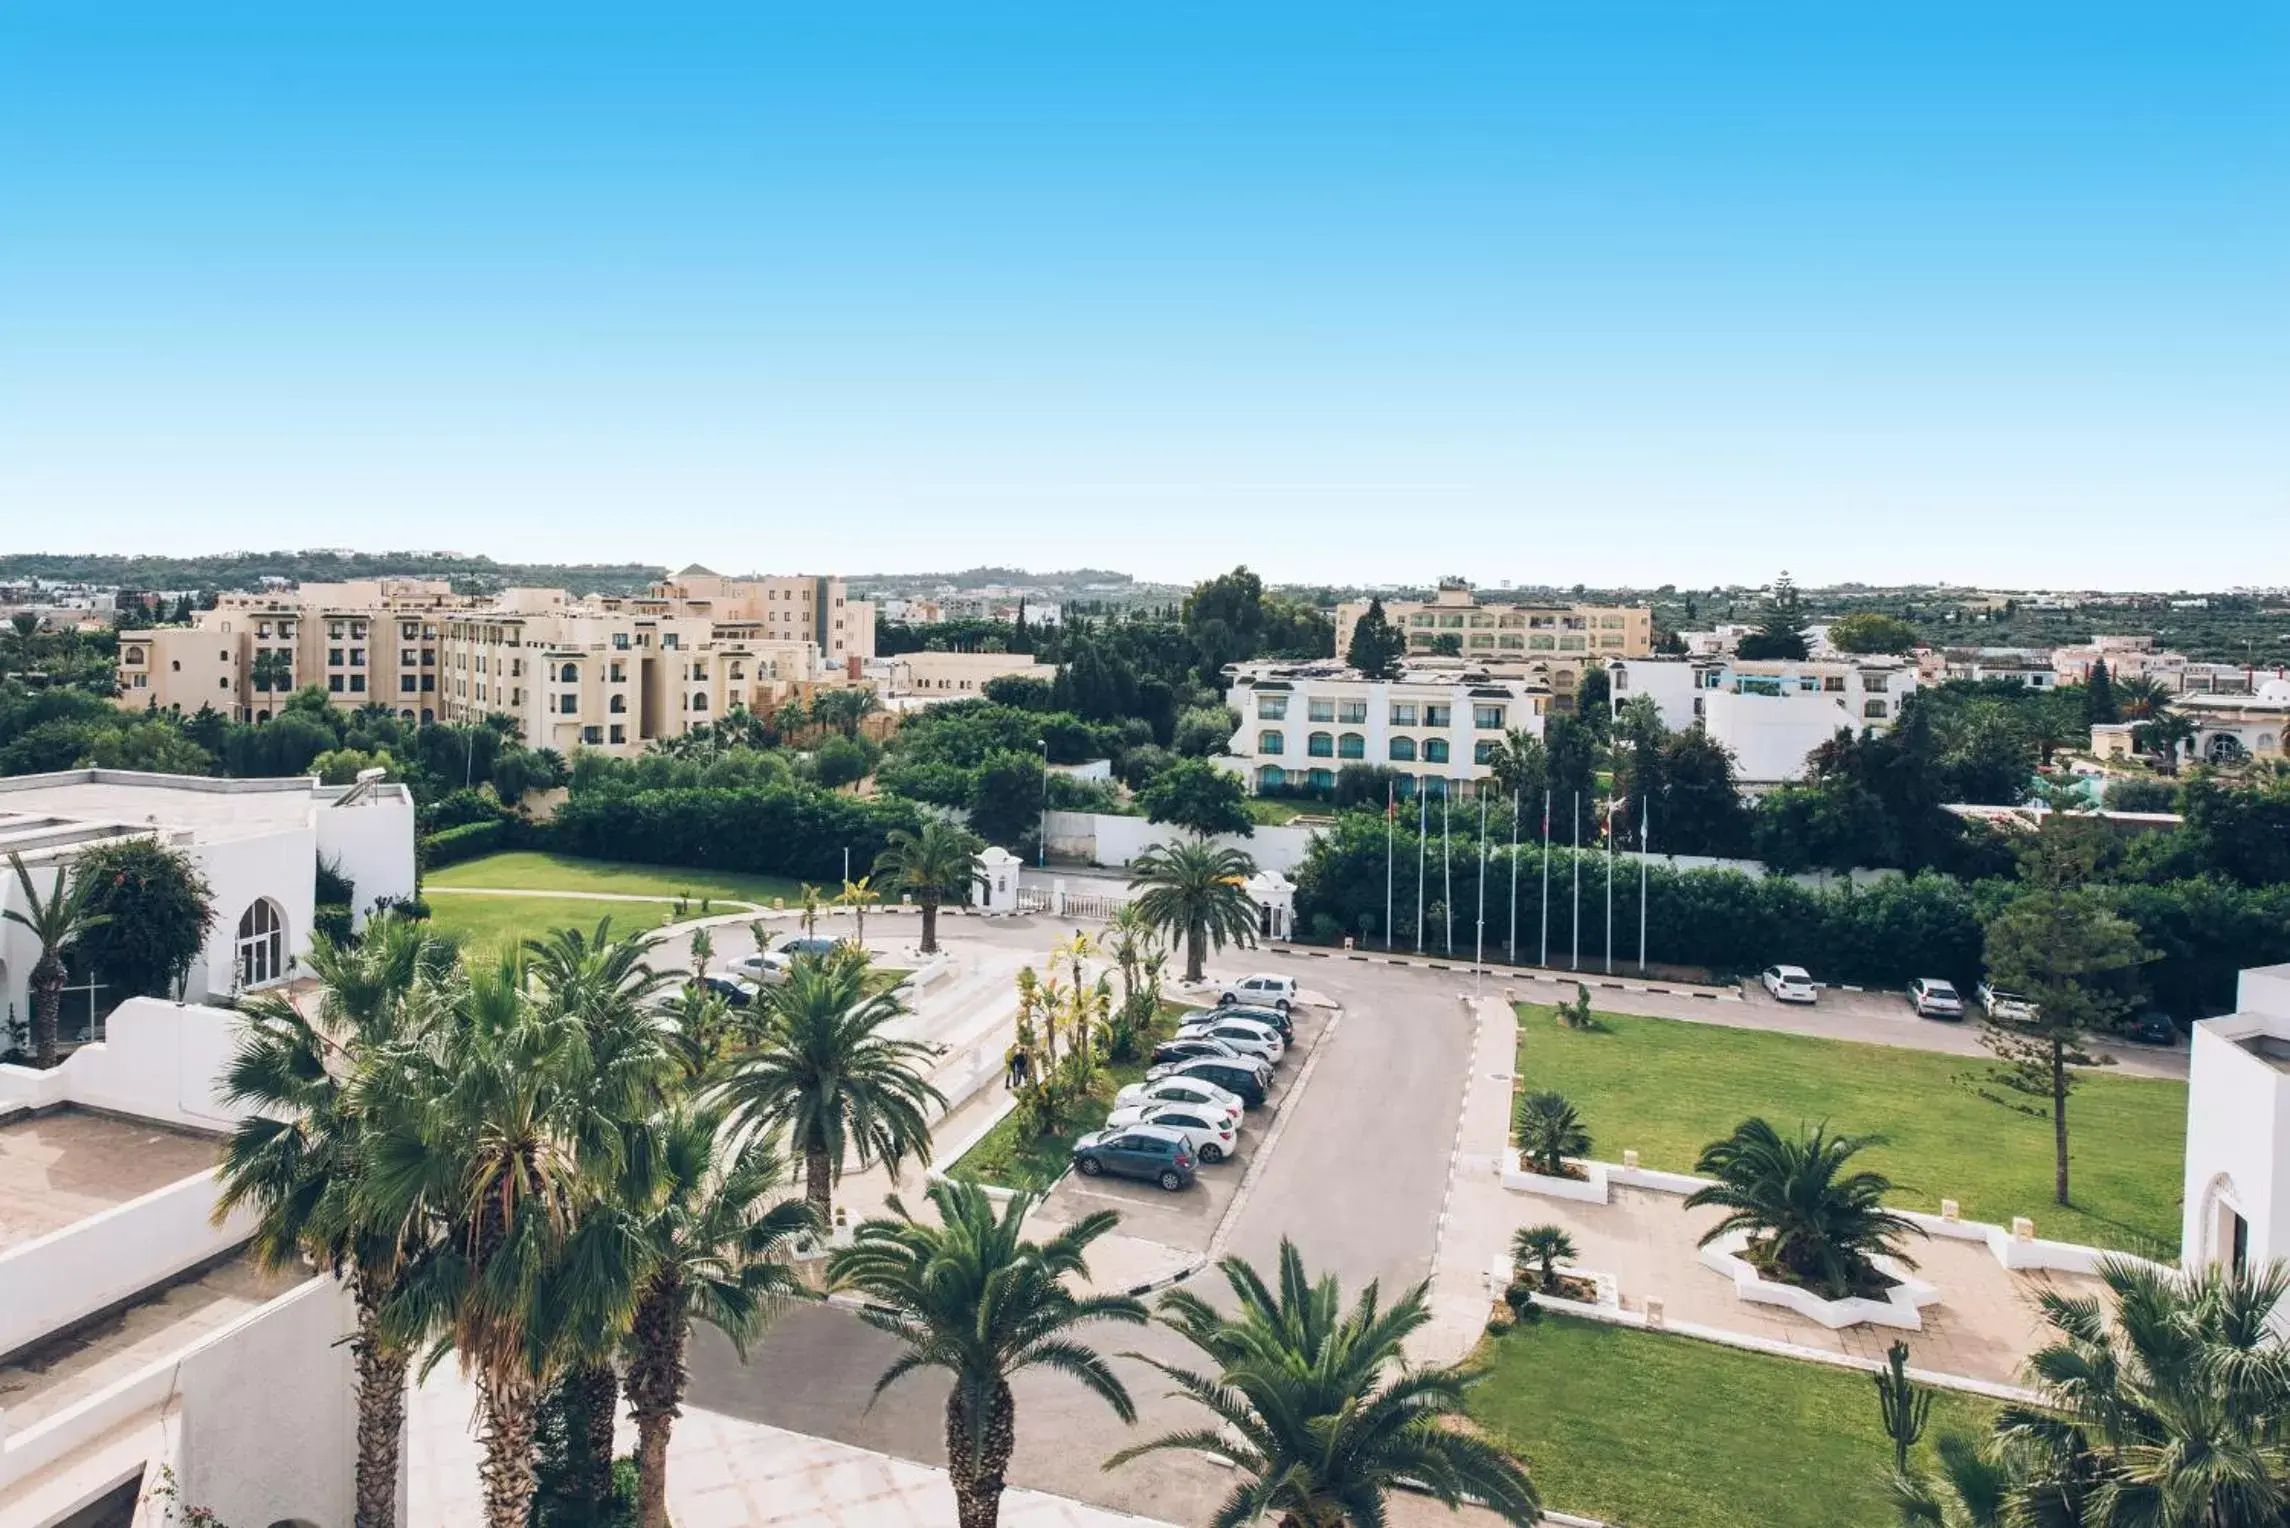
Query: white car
(2007,1007)
(1207,1132)
(763,970)
(1180,1090)
(1261,988)
(1244,1035)
(1790,984)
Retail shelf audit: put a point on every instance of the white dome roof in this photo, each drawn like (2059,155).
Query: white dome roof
(2275,689)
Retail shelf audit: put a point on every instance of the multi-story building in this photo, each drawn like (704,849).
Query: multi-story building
(1552,644)
(1770,713)
(1301,723)
(2029,666)
(681,653)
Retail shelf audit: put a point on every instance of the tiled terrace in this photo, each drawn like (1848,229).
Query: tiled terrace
(59,1168)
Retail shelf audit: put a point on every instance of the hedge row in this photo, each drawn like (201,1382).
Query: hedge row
(473,840)
(792,830)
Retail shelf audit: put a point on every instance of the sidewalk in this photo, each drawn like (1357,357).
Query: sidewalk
(1476,1222)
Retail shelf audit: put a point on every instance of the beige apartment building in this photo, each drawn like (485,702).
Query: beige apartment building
(1555,644)
(611,672)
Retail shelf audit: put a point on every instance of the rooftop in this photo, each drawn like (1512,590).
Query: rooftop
(210,810)
(56,1169)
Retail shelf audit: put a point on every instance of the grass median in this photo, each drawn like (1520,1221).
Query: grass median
(1012,1156)
(1662,1431)
(1667,1088)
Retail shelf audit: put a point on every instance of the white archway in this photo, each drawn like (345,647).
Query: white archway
(260,952)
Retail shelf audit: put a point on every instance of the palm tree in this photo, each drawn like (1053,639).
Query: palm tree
(2167,733)
(491,1128)
(706,1232)
(2141,696)
(1971,1489)
(824,1070)
(1544,1247)
(938,864)
(971,1296)
(703,951)
(1194,890)
(858,896)
(1320,1413)
(1549,1130)
(55,923)
(1814,1223)
(272,669)
(2168,1404)
(295,1156)
(810,916)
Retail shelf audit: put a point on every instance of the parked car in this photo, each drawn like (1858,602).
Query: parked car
(2154,1027)
(1790,984)
(1244,1035)
(764,970)
(1208,1132)
(2007,1007)
(1187,1047)
(1150,1152)
(1180,1090)
(1260,987)
(792,945)
(1277,1018)
(1935,999)
(1246,1079)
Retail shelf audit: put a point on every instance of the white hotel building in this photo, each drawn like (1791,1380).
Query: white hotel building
(1770,713)
(1301,723)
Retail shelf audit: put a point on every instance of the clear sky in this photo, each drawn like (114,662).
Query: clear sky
(1598,292)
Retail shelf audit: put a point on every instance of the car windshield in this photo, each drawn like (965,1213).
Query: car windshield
(1940,989)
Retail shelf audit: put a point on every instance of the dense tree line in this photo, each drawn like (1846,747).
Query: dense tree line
(250,570)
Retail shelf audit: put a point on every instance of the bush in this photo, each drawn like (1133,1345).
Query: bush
(471,840)
(2142,796)
(789,829)
(158,907)
(332,919)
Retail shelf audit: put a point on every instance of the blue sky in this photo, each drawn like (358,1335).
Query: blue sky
(1602,292)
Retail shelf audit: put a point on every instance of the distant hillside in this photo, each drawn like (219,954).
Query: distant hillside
(247,570)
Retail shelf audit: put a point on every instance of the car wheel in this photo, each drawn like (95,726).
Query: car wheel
(1227,1000)
(1212,1153)
(1282,1005)
(1171,1180)
(1090,1166)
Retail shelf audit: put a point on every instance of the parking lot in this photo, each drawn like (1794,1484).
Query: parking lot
(1188,1218)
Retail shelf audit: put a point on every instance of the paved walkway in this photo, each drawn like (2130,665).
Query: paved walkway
(727,1473)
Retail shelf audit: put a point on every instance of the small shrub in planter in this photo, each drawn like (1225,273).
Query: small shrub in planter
(1548,1130)
(1520,1297)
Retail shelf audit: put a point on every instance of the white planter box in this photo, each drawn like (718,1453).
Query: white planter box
(1900,1307)
(1590,1189)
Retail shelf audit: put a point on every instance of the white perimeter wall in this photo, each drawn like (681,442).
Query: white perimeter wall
(269,1414)
(95,1263)
(1771,735)
(373,843)
(1103,839)
(159,1061)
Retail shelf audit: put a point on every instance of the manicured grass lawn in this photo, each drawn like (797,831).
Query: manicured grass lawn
(1013,1157)
(1667,1089)
(1667,1432)
(1273,810)
(531,870)
(481,925)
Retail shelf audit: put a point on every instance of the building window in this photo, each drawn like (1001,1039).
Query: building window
(1875,683)
(1873,710)
(1573,644)
(1483,751)
(569,674)
(1403,750)
(1419,619)
(1435,750)
(619,733)
(357,684)
(261,944)
(1320,746)
(1271,777)
(1272,708)
(334,656)
(1320,779)
(1316,710)
(591,734)
(406,630)
(1402,715)
(1353,713)
(334,683)
(357,657)
(1487,718)
(428,683)
(1270,741)
(1438,716)
(620,640)
(568,705)
(1834,684)
(699,700)
(1542,644)
(617,705)
(1351,746)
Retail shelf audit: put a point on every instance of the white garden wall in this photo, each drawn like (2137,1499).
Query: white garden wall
(158,1061)
(91,1264)
(1099,838)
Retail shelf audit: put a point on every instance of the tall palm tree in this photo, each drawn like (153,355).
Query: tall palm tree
(2168,733)
(296,1155)
(1194,890)
(1549,1129)
(824,1071)
(55,923)
(2141,696)
(2168,1404)
(858,896)
(491,1127)
(1970,1489)
(698,1224)
(272,669)
(1814,1222)
(971,1296)
(1320,1413)
(937,865)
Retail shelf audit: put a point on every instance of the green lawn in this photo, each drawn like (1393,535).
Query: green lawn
(481,925)
(1012,1157)
(1272,811)
(1667,1089)
(531,870)
(1666,1432)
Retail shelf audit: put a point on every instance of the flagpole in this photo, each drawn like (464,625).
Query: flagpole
(1575,860)
(1422,842)
(1446,868)
(1546,907)
(1479,941)
(1511,948)
(1645,851)
(1390,807)
(1609,885)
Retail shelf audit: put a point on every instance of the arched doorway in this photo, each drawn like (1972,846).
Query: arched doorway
(2224,748)
(261,944)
